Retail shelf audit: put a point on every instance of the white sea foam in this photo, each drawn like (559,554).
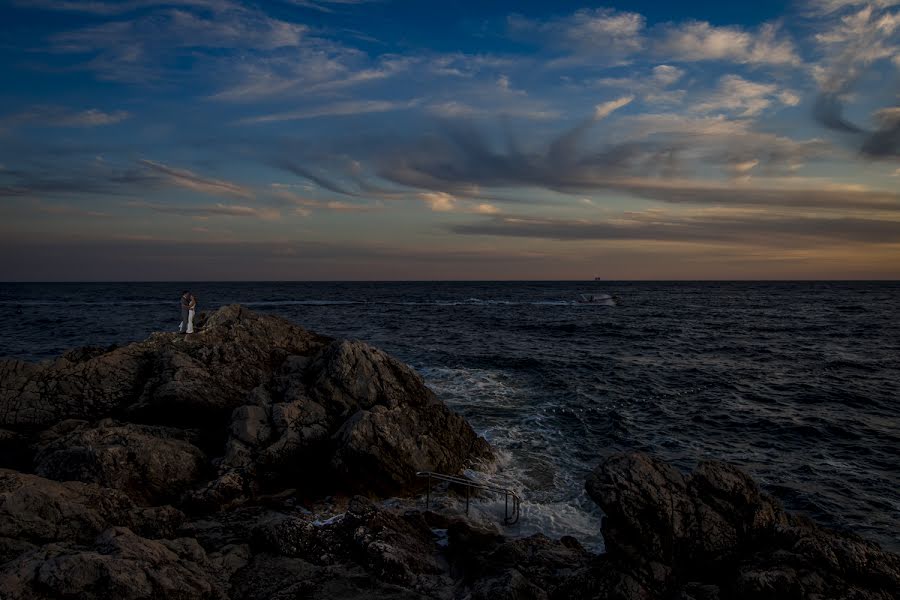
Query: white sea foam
(553,502)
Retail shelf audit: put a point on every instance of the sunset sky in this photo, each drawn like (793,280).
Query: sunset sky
(410,139)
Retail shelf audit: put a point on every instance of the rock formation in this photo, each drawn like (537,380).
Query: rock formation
(201,466)
(714,534)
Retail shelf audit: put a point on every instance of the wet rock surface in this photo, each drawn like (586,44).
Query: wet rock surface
(257,460)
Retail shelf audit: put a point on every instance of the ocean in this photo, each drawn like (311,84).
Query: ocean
(797,383)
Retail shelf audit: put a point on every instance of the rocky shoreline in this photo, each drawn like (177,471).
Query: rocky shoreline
(199,466)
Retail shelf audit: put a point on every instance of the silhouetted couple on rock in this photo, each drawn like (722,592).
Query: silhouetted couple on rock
(188,306)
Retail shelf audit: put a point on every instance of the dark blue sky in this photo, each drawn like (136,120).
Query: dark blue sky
(399,139)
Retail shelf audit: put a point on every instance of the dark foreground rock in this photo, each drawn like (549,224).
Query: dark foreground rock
(714,534)
(250,403)
(256,460)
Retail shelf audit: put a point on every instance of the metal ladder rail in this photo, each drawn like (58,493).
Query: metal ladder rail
(508,519)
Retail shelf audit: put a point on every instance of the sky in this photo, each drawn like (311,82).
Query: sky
(413,140)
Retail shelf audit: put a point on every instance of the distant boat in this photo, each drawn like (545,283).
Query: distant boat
(599,299)
(598,279)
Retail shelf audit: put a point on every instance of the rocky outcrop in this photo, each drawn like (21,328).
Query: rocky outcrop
(271,404)
(121,443)
(219,465)
(714,534)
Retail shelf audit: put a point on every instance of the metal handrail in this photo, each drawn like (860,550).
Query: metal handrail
(508,519)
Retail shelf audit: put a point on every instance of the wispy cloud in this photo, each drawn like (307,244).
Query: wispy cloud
(653,88)
(453,110)
(118,7)
(190,180)
(56,116)
(134,49)
(719,227)
(744,98)
(216,210)
(604,34)
(338,109)
(603,110)
(852,43)
(662,145)
(305,205)
(329,5)
(319,69)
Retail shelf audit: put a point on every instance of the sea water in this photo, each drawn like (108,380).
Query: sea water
(797,383)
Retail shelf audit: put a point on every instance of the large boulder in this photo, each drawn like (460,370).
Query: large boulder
(73,386)
(355,418)
(396,425)
(36,511)
(151,464)
(714,534)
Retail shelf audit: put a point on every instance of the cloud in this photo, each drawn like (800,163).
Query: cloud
(653,87)
(885,140)
(67,210)
(118,7)
(827,7)
(55,116)
(338,109)
(733,227)
(666,75)
(463,157)
(322,68)
(328,6)
(52,176)
(191,181)
(444,202)
(744,98)
(137,50)
(305,205)
(601,33)
(216,210)
(852,44)
(147,258)
(454,110)
(700,41)
(603,110)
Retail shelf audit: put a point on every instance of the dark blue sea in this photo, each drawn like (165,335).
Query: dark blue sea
(798,383)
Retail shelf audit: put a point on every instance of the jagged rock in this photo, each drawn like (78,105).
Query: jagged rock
(715,534)
(120,565)
(283,578)
(279,407)
(40,510)
(151,464)
(396,425)
(44,393)
(493,566)
(396,548)
(168,378)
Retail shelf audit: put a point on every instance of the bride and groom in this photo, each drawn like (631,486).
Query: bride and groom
(188,306)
